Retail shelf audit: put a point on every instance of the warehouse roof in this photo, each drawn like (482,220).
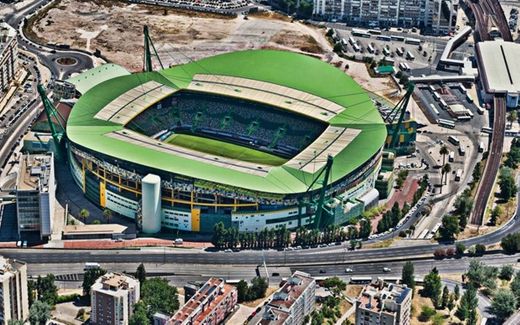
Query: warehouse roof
(498,63)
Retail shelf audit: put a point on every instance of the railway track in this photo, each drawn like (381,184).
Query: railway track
(493,162)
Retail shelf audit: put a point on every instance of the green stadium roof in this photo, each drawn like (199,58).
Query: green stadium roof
(90,78)
(287,69)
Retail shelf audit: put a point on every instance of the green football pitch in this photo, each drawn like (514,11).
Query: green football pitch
(225,149)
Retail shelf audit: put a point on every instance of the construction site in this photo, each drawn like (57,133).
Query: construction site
(114,28)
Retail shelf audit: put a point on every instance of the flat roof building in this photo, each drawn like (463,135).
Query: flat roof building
(291,303)
(384,303)
(35,195)
(210,305)
(8,55)
(14,302)
(499,70)
(112,298)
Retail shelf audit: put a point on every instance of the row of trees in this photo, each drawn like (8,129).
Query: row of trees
(453,224)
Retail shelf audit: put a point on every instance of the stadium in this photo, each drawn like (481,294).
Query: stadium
(241,138)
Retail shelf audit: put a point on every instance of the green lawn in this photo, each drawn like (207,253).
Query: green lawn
(225,149)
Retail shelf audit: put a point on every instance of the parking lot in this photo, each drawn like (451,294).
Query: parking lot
(393,46)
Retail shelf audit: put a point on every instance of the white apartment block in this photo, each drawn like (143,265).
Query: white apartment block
(35,194)
(292,302)
(112,299)
(8,55)
(437,15)
(13,291)
(384,303)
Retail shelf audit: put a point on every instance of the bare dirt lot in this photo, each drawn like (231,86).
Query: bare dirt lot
(116,28)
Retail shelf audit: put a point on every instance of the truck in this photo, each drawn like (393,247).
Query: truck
(91,266)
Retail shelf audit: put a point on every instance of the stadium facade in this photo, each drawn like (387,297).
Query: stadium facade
(239,138)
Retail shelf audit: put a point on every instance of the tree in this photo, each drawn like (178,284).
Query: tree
(433,286)
(107,214)
(456,292)
(159,296)
(407,275)
(139,316)
(511,243)
(242,291)
(480,249)
(444,151)
(468,303)
(507,184)
(506,272)
(84,214)
(140,274)
(219,234)
(446,169)
(460,248)
(46,289)
(335,284)
(450,227)
(15,322)
(365,228)
(39,313)
(90,277)
(515,287)
(258,287)
(512,117)
(503,304)
(477,172)
(445,297)
(495,213)
(32,291)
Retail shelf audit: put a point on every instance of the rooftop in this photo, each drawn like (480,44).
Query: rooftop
(34,173)
(8,267)
(380,296)
(203,302)
(6,34)
(498,63)
(114,283)
(295,285)
(94,229)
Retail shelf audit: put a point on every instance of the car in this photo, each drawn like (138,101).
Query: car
(322,271)
(118,240)
(228,250)
(348,270)
(387,269)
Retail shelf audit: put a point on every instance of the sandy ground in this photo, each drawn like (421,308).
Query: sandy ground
(117,30)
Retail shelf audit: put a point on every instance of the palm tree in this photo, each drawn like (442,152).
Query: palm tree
(107,213)
(511,117)
(444,151)
(446,169)
(84,214)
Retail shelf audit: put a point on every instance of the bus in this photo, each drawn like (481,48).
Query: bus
(386,51)
(399,51)
(434,109)
(370,48)
(443,104)
(410,56)
(384,38)
(469,98)
(464,118)
(451,156)
(402,66)
(360,33)
(454,140)
(374,31)
(458,175)
(397,38)
(432,89)
(356,47)
(436,96)
(91,266)
(352,40)
(407,66)
(414,41)
(487,130)
(481,146)
(480,109)
(462,88)
(446,123)
(462,151)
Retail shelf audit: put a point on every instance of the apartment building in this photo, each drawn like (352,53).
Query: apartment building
(212,303)
(35,195)
(112,299)
(384,303)
(439,16)
(13,291)
(8,55)
(291,303)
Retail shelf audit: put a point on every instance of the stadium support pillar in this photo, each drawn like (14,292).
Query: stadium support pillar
(151,204)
